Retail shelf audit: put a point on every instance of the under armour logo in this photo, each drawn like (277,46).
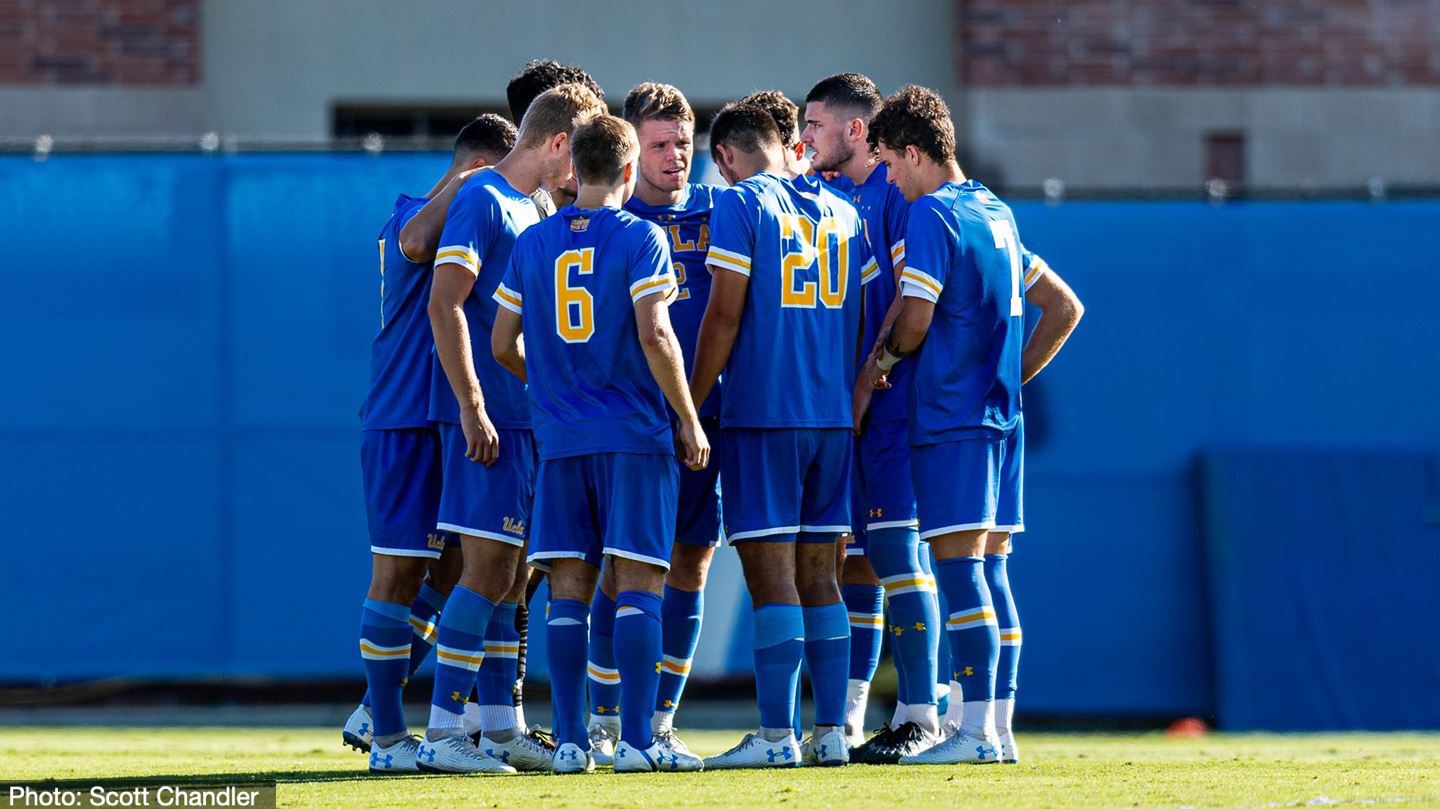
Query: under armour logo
(969,671)
(455,697)
(429,756)
(897,631)
(569,755)
(877,512)
(672,758)
(620,753)
(503,756)
(669,703)
(776,754)
(657,666)
(824,750)
(919,626)
(364,728)
(404,682)
(600,709)
(981,751)
(376,761)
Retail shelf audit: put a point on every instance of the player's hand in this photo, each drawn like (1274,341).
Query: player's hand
(860,403)
(482,442)
(463,176)
(694,445)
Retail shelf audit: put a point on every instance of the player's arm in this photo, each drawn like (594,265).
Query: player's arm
(718,329)
(420,237)
(662,352)
(507,342)
(452,345)
(1060,312)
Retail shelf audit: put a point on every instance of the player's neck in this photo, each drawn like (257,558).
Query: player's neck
(592,197)
(938,174)
(522,169)
(859,167)
(657,197)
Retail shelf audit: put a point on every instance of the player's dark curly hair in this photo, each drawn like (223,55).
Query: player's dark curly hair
(915,116)
(489,135)
(742,126)
(782,109)
(539,75)
(851,91)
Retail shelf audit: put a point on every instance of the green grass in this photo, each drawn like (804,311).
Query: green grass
(1147,769)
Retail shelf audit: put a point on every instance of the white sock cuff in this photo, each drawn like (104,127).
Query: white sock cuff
(497,717)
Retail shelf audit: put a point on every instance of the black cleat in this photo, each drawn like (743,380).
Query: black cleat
(546,740)
(858,755)
(906,740)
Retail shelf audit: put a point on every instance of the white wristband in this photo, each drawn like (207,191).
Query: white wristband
(886,360)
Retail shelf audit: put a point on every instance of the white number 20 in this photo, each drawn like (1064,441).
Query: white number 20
(1005,240)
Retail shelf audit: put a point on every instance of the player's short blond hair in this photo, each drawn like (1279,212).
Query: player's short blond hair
(659,101)
(601,148)
(559,109)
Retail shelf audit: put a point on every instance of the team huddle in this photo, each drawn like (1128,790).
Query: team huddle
(820,363)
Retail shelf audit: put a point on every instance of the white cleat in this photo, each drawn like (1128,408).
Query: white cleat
(958,747)
(829,750)
(359,731)
(522,752)
(854,735)
(1009,753)
(660,756)
(754,752)
(570,759)
(455,754)
(602,744)
(397,758)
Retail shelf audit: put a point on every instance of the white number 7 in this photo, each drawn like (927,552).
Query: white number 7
(1005,240)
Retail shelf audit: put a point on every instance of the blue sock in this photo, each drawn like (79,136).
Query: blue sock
(495,685)
(459,650)
(866,607)
(914,614)
(827,652)
(1008,668)
(424,620)
(604,676)
(939,640)
(638,655)
(565,630)
(385,649)
(680,615)
(779,645)
(974,632)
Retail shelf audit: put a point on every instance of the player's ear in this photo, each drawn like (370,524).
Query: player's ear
(912,155)
(799,151)
(560,143)
(629,172)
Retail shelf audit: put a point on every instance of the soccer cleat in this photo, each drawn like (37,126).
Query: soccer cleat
(668,738)
(359,730)
(859,753)
(570,759)
(854,735)
(397,758)
(522,752)
(602,744)
(829,750)
(542,738)
(755,752)
(658,757)
(1009,753)
(455,754)
(906,740)
(959,747)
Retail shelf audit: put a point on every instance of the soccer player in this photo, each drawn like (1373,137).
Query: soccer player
(838,111)
(787,119)
(488,453)
(588,289)
(966,279)
(400,460)
(665,127)
(537,76)
(788,257)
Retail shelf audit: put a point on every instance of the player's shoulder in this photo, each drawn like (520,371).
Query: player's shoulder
(701,196)
(405,207)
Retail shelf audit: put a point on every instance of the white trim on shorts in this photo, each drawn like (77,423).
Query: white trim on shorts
(478,534)
(1012,529)
(764,532)
(400,552)
(825,529)
(876,526)
(852,551)
(537,560)
(950,529)
(636,557)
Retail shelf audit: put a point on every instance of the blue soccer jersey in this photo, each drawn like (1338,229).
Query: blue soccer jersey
(480,230)
(963,253)
(399,396)
(687,230)
(803,248)
(884,211)
(574,280)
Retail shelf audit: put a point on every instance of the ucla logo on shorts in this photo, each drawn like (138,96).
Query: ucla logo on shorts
(435,542)
(513,526)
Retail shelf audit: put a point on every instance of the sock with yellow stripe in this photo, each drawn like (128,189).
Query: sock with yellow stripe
(638,655)
(914,614)
(424,620)
(495,686)
(1008,668)
(604,677)
(385,650)
(565,630)
(680,615)
(974,638)
(459,651)
(865,604)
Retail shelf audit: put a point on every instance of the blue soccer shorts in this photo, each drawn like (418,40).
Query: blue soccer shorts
(858,541)
(889,492)
(400,470)
(491,502)
(610,503)
(972,484)
(786,484)
(697,522)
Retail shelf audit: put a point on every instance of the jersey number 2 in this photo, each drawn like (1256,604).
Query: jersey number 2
(831,265)
(574,306)
(1005,240)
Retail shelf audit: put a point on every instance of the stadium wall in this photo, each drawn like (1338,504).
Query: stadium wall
(187,345)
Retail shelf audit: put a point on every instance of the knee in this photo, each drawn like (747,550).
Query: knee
(395,581)
(444,573)
(689,568)
(817,588)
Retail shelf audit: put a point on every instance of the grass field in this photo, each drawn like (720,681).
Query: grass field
(1060,770)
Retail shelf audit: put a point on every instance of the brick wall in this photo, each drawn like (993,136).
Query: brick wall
(1199,42)
(100,42)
